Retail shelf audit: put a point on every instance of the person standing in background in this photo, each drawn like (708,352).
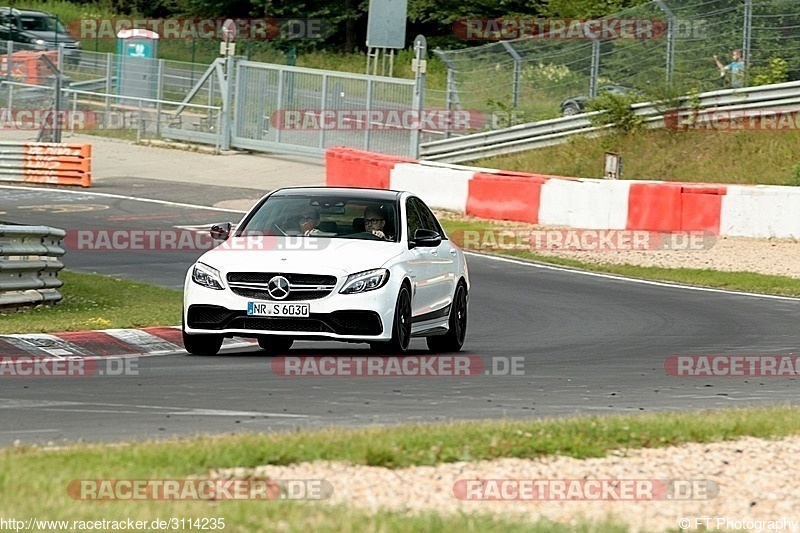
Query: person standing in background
(735,67)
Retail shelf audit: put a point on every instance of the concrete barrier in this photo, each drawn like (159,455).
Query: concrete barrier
(749,211)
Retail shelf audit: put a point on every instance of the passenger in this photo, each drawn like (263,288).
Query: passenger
(309,221)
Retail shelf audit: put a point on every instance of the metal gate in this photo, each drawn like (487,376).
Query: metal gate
(299,110)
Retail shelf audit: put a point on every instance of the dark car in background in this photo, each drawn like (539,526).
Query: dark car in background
(37,30)
(577,104)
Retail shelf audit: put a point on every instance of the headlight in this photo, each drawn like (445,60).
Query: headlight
(207,276)
(39,42)
(368,280)
(77,44)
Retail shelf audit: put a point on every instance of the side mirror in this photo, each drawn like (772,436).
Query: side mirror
(426,238)
(220,232)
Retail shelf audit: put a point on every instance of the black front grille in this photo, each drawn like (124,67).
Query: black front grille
(340,322)
(294,296)
(209,316)
(294,279)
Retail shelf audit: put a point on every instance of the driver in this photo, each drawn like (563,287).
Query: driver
(374,222)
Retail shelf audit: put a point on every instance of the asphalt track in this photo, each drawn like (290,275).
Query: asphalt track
(590,344)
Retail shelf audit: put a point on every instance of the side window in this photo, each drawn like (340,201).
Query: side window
(428,219)
(414,222)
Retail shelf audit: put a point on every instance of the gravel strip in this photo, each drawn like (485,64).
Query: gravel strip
(780,257)
(756,481)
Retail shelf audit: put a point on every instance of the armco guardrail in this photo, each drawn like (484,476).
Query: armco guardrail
(30,259)
(534,135)
(56,163)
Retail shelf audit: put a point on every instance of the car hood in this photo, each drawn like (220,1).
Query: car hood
(300,254)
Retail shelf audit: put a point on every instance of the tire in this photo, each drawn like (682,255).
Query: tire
(275,344)
(570,109)
(453,340)
(202,344)
(401,325)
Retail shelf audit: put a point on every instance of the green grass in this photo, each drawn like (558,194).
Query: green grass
(92,301)
(33,481)
(741,157)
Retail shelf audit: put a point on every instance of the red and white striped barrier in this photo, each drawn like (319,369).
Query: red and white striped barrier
(762,211)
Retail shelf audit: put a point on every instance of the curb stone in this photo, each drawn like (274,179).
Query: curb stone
(102,343)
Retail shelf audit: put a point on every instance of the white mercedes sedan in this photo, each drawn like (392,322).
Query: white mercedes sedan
(344,264)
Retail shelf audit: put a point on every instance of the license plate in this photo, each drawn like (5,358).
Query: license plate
(272,309)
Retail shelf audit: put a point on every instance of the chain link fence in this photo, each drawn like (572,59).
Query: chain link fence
(527,79)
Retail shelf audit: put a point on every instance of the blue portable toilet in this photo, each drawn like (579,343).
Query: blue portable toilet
(137,64)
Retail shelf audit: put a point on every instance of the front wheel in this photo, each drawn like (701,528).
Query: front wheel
(401,326)
(202,344)
(453,340)
(275,344)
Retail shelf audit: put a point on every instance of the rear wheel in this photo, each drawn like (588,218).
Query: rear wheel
(401,326)
(453,340)
(275,344)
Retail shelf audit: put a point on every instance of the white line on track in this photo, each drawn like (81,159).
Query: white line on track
(124,197)
(557,268)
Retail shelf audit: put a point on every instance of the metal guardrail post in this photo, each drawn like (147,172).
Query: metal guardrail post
(29,265)
(369,108)
(160,96)
(670,39)
(595,72)
(420,54)
(323,108)
(226,106)
(109,81)
(279,103)
(517,71)
(748,24)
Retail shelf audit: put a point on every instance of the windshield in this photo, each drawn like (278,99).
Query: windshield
(41,23)
(326,217)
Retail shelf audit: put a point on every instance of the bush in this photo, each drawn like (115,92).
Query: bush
(618,112)
(776,71)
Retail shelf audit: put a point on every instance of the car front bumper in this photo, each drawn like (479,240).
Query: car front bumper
(357,317)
